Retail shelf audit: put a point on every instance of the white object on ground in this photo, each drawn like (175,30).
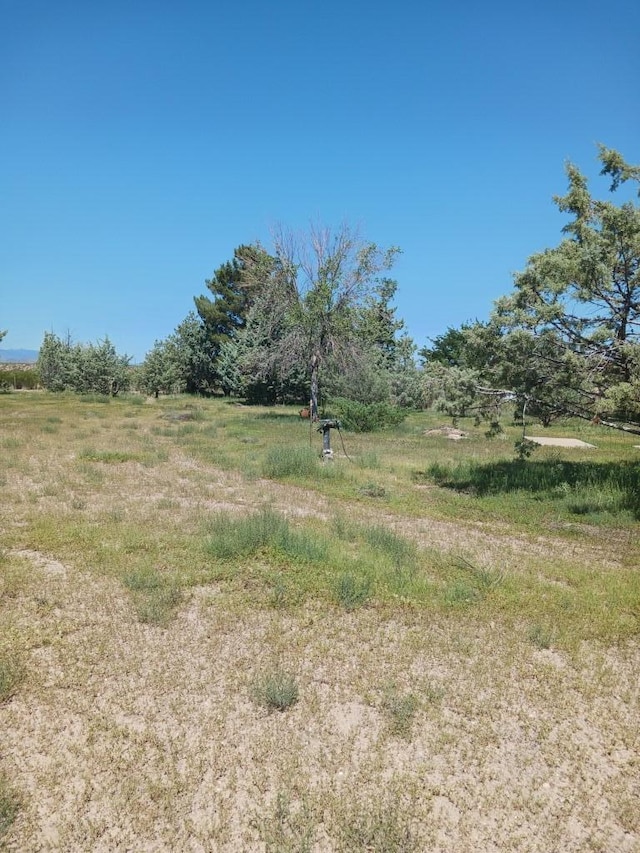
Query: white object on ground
(559,442)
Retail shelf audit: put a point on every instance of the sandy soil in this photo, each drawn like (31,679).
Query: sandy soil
(132,738)
(559,442)
(128,737)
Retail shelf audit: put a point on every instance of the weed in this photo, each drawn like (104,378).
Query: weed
(432,693)
(279,593)
(401,710)
(401,552)
(485,579)
(278,690)
(157,607)
(266,529)
(371,490)
(460,593)
(382,828)
(541,637)
(144,579)
(109,457)
(368,459)
(12,674)
(288,830)
(352,592)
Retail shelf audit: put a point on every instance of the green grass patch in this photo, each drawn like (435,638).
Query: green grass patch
(230,538)
(298,462)
(277,690)
(578,488)
(352,591)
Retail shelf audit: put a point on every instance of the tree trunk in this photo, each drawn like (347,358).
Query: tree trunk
(313,404)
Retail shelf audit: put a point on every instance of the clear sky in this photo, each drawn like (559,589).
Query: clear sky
(141,141)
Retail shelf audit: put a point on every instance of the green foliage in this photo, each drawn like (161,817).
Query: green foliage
(164,370)
(453,390)
(352,591)
(574,315)
(233,288)
(362,417)
(19,378)
(278,690)
(86,368)
(306,317)
(230,538)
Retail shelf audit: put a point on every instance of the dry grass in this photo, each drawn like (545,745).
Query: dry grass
(484,695)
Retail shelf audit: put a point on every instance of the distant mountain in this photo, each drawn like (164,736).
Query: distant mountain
(20,355)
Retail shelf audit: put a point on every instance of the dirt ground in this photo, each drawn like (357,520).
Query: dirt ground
(130,737)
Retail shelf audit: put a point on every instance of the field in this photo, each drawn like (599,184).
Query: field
(212,641)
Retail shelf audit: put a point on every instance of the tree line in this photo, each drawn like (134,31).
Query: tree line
(312,320)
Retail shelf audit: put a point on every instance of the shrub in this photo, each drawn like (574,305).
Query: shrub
(20,378)
(367,417)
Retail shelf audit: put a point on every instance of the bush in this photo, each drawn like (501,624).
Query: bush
(20,378)
(367,417)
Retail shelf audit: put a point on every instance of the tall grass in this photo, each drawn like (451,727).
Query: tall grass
(295,462)
(230,538)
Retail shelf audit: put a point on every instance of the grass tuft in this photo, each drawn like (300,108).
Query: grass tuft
(12,673)
(352,592)
(382,828)
(401,709)
(158,606)
(287,830)
(277,690)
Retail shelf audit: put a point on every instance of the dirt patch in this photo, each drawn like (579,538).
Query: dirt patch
(447,432)
(558,442)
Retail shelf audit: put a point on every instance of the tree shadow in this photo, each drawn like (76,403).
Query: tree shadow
(588,486)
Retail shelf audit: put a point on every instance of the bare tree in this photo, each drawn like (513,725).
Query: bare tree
(321,279)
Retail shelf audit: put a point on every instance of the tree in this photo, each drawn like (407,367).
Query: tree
(56,364)
(101,370)
(453,348)
(233,287)
(566,342)
(317,284)
(580,303)
(163,370)
(96,368)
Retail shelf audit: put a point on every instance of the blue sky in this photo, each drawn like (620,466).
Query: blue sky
(141,142)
